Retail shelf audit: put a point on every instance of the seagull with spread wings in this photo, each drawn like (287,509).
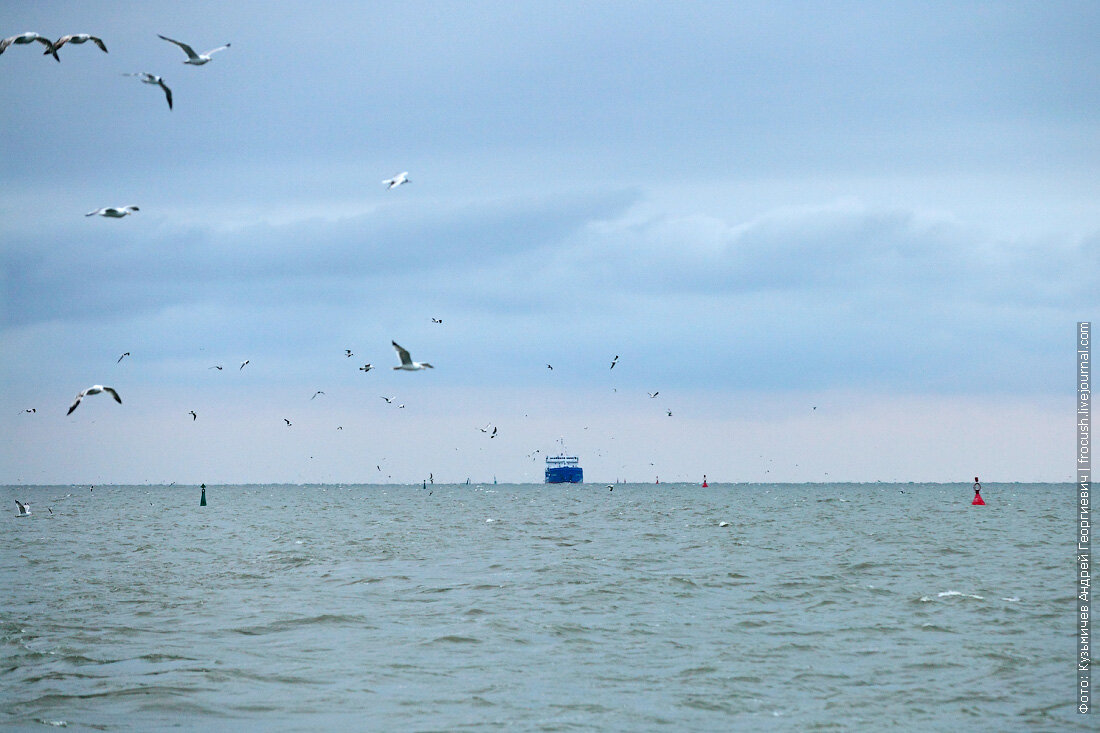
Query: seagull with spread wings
(29,37)
(195,59)
(155,80)
(114,212)
(78,38)
(397,180)
(94,389)
(407,364)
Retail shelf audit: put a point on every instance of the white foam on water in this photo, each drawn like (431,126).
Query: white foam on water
(948,593)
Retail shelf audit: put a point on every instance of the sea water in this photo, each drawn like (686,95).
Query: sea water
(540,608)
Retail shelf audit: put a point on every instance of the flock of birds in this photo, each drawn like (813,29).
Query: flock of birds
(406,363)
(24,39)
(193,59)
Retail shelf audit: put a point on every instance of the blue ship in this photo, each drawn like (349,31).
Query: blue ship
(563,469)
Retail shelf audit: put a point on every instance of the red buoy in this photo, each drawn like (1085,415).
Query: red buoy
(704,481)
(978,501)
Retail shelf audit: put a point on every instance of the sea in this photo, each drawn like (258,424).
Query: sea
(523,607)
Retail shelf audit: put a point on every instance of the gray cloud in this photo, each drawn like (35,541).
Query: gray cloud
(843,251)
(128,266)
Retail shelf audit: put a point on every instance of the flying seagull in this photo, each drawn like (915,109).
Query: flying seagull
(195,59)
(652,394)
(24,509)
(29,37)
(550,367)
(286,421)
(243,363)
(32,410)
(437,320)
(347,353)
(615,361)
(216,366)
(397,180)
(407,364)
(94,389)
(366,368)
(148,78)
(122,357)
(78,38)
(194,417)
(389,400)
(114,212)
(315,394)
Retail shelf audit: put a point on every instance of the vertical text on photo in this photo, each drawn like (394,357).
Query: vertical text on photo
(1084,481)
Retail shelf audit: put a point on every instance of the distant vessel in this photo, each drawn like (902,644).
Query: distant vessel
(563,469)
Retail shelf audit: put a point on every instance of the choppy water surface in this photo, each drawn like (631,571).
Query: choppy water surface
(820,607)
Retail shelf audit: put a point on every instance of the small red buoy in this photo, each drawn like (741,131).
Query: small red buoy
(704,481)
(978,501)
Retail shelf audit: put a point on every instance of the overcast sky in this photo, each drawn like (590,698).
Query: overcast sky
(843,241)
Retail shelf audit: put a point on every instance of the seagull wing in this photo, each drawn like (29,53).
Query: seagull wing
(111,391)
(50,48)
(4,44)
(93,213)
(406,360)
(61,42)
(99,42)
(186,49)
(75,404)
(167,92)
(219,48)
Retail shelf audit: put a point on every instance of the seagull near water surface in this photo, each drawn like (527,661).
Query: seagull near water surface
(155,80)
(114,212)
(30,37)
(195,59)
(407,364)
(94,389)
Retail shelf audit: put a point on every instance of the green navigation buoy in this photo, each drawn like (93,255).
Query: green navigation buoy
(202,501)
